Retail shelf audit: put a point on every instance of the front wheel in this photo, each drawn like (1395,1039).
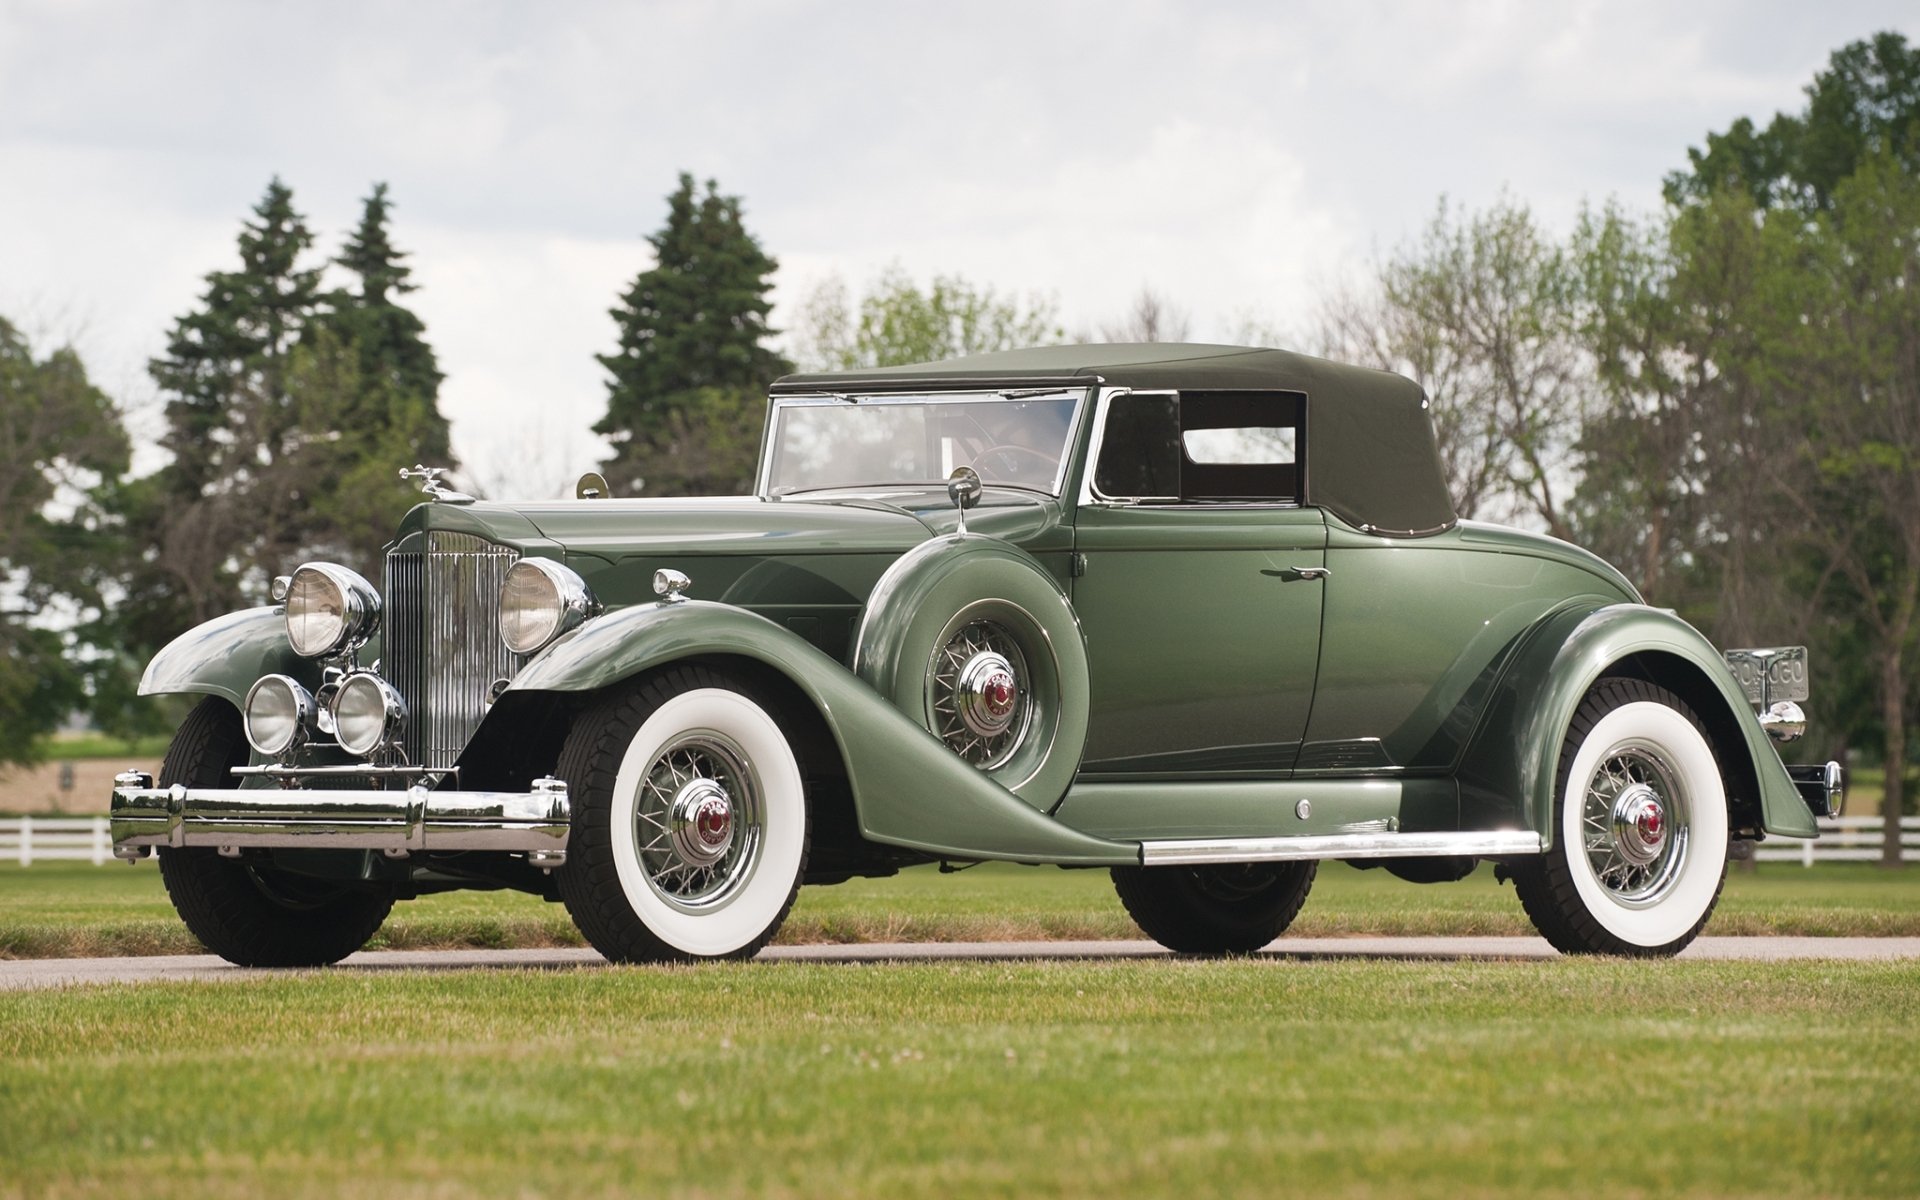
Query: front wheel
(1640,835)
(690,821)
(1232,908)
(246,910)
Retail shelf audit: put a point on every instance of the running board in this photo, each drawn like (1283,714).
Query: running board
(1187,851)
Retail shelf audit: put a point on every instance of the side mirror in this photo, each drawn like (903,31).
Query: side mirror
(592,486)
(964,488)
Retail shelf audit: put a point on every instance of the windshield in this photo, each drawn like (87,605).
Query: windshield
(892,440)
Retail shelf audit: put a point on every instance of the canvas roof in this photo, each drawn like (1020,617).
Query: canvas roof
(1371,458)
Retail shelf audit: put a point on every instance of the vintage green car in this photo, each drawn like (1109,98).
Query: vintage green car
(1199,615)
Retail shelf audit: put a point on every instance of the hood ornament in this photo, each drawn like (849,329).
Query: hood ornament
(430,484)
(964,488)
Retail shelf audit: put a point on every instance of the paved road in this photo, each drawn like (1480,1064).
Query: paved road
(56,972)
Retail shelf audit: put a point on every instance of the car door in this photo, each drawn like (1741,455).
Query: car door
(1199,586)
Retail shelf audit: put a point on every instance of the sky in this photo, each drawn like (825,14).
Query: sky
(1242,159)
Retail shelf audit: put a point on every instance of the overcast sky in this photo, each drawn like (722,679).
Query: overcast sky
(1239,157)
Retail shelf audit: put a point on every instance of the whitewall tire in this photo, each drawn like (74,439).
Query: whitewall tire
(1640,833)
(690,821)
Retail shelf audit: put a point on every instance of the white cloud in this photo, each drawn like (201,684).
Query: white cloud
(1234,155)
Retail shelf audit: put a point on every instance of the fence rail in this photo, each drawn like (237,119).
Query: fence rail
(1844,839)
(27,840)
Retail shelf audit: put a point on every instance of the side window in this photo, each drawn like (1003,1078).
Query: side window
(1202,447)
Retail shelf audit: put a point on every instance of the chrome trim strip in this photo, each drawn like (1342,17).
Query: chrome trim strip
(535,823)
(1491,844)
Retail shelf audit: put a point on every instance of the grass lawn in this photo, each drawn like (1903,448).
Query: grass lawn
(71,909)
(1258,1078)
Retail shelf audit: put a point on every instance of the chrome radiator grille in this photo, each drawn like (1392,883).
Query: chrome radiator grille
(443,648)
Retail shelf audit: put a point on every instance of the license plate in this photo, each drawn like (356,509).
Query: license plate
(1769,675)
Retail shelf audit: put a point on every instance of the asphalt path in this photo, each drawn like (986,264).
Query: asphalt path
(21,974)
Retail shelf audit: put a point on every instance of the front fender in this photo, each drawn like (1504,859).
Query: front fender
(908,789)
(225,656)
(1508,774)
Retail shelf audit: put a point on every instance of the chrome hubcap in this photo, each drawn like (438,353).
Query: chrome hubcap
(1634,826)
(980,706)
(988,694)
(1639,824)
(700,824)
(698,821)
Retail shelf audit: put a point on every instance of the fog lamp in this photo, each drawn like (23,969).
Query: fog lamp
(278,714)
(367,713)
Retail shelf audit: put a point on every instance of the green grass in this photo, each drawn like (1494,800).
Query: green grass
(1252,1078)
(71,909)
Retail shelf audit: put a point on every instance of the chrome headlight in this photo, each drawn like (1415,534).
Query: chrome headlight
(367,713)
(329,609)
(540,601)
(278,713)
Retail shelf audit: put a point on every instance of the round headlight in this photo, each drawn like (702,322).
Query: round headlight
(539,601)
(366,713)
(329,609)
(278,713)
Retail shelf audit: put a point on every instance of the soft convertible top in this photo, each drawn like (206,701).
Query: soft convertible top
(1371,456)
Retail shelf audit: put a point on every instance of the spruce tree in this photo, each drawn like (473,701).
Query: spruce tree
(399,376)
(225,362)
(686,396)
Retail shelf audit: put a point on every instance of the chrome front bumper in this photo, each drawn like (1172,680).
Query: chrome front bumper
(399,822)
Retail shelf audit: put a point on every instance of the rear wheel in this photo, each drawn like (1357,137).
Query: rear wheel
(246,911)
(1232,908)
(690,821)
(1640,828)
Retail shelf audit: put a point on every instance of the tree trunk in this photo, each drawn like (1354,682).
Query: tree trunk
(1893,715)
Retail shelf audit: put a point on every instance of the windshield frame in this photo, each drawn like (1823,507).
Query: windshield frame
(1069,450)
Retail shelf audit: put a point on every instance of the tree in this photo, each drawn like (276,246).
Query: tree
(1816,319)
(898,322)
(289,409)
(1479,310)
(1866,104)
(60,440)
(690,374)
(388,337)
(1153,318)
(383,407)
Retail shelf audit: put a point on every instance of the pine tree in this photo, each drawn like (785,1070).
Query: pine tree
(399,375)
(689,378)
(224,365)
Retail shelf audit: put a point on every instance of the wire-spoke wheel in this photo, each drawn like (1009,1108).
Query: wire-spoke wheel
(1640,839)
(981,694)
(690,821)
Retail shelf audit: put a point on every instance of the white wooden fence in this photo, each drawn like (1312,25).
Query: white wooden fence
(27,840)
(1843,839)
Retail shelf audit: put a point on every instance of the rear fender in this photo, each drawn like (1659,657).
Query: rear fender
(225,656)
(908,789)
(1508,773)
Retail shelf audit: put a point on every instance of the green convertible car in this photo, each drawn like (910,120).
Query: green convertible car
(1199,615)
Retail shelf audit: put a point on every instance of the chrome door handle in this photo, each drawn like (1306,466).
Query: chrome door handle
(1311,572)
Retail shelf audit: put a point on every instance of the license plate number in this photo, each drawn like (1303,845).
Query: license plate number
(1772,674)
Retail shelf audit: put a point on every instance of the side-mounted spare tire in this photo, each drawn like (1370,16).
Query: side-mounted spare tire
(972,638)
